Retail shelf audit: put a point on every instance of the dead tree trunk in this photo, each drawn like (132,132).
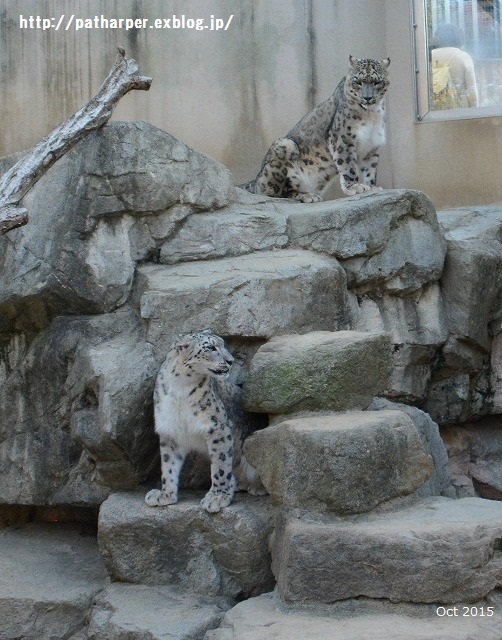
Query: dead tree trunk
(24,174)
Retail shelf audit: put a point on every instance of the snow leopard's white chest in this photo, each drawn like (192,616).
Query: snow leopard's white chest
(369,132)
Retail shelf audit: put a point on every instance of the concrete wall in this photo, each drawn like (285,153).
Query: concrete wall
(230,93)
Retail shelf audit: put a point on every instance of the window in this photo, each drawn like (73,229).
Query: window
(458,57)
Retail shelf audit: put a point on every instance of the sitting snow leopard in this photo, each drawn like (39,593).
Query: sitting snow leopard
(196,409)
(341,135)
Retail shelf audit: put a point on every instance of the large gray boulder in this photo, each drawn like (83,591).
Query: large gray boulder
(216,555)
(75,413)
(436,551)
(417,327)
(78,252)
(49,576)
(465,381)
(256,296)
(143,612)
(472,278)
(345,463)
(318,371)
(387,241)
(440,483)
(263,618)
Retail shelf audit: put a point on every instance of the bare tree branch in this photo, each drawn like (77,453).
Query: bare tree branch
(14,184)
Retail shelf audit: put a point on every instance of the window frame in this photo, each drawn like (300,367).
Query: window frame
(423,112)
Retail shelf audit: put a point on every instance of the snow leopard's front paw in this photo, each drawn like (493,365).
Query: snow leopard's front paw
(156,498)
(307,197)
(215,501)
(355,188)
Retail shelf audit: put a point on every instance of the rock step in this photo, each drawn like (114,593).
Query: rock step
(318,371)
(261,619)
(140,612)
(49,575)
(438,550)
(345,463)
(225,554)
(256,295)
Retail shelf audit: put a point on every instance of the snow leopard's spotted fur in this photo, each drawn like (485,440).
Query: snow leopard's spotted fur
(196,409)
(341,135)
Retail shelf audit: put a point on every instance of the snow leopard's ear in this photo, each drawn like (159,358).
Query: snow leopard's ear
(353,61)
(207,332)
(385,63)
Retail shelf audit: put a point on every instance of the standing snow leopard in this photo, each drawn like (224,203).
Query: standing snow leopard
(341,135)
(196,409)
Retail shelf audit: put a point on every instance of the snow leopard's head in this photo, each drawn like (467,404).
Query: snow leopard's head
(367,81)
(204,353)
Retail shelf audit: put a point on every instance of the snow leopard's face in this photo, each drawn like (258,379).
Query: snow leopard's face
(367,81)
(205,353)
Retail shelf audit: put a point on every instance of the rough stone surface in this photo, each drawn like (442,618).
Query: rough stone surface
(437,551)
(345,463)
(236,230)
(49,575)
(475,452)
(81,258)
(140,612)
(496,373)
(225,554)
(211,255)
(440,483)
(318,371)
(388,241)
(472,278)
(257,295)
(417,327)
(262,618)
(75,412)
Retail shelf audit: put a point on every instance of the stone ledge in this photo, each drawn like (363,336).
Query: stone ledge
(225,554)
(343,463)
(49,575)
(439,550)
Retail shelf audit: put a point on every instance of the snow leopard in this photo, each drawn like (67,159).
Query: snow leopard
(342,135)
(197,409)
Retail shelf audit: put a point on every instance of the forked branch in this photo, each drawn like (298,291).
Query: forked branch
(123,77)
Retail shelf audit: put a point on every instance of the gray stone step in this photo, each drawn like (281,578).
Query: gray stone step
(139,612)
(49,575)
(262,619)
(256,295)
(340,462)
(318,371)
(225,554)
(438,550)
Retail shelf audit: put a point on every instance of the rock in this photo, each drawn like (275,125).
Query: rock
(140,612)
(440,483)
(417,327)
(233,231)
(471,281)
(448,398)
(182,545)
(75,413)
(496,373)
(436,551)
(475,452)
(344,463)
(262,618)
(80,258)
(318,371)
(49,575)
(387,241)
(256,295)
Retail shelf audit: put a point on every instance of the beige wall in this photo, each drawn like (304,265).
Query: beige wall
(230,93)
